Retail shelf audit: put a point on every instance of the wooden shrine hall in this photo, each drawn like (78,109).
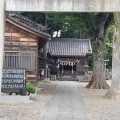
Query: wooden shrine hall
(70,56)
(23,41)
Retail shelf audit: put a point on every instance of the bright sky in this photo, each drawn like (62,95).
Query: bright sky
(55,33)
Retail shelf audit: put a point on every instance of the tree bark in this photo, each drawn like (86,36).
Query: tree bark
(98,80)
(114,91)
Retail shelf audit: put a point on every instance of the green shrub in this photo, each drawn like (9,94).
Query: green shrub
(30,88)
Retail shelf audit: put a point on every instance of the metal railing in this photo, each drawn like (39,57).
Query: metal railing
(19,60)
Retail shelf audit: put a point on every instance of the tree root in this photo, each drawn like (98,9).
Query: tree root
(97,85)
(111,94)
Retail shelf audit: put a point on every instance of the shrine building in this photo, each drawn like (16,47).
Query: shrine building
(70,56)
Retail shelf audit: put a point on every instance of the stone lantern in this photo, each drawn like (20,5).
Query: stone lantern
(85,68)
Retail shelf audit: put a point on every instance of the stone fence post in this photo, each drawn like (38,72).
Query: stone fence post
(2,26)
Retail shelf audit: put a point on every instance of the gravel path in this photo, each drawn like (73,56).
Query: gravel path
(28,111)
(100,108)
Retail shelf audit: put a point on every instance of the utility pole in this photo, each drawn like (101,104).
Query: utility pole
(2,27)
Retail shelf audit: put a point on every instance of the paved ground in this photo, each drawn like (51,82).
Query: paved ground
(66,104)
(28,111)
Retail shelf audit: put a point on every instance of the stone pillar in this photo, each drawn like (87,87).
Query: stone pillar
(2,26)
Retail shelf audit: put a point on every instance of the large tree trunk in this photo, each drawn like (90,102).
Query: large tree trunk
(114,91)
(98,78)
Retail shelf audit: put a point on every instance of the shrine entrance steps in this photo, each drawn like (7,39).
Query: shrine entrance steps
(67,78)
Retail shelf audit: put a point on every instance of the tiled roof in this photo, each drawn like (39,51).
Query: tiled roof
(69,47)
(27,25)
(27,21)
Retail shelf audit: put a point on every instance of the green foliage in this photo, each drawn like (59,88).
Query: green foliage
(30,88)
(73,26)
(108,55)
(55,22)
(109,46)
(36,17)
(78,25)
(90,63)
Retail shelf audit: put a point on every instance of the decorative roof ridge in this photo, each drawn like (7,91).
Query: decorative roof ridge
(27,21)
(69,39)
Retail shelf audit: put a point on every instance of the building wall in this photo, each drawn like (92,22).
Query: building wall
(18,39)
(21,50)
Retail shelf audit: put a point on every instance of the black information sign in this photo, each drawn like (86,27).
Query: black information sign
(14,80)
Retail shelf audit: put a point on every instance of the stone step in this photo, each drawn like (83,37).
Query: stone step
(14,99)
(67,79)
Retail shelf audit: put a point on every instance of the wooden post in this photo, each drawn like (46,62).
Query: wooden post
(58,67)
(37,64)
(45,56)
(2,27)
(72,69)
(62,70)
